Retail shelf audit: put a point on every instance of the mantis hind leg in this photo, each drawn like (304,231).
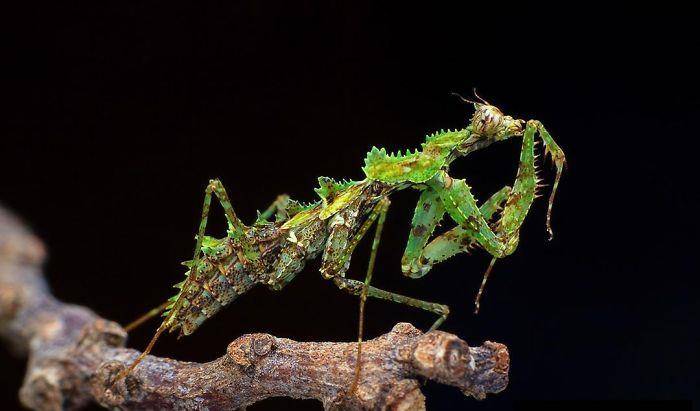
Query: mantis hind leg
(147,316)
(235,225)
(236,230)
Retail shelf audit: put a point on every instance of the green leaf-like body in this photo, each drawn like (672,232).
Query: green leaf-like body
(328,187)
(416,167)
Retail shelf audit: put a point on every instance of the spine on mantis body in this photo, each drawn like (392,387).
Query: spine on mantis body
(217,279)
(220,276)
(417,166)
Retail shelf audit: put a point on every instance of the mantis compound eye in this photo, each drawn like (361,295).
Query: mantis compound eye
(487,120)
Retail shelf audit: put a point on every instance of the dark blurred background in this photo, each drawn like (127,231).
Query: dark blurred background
(117,116)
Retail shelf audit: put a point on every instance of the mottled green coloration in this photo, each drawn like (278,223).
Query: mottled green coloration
(272,253)
(416,167)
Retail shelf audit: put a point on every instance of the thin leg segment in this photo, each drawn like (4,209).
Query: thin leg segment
(147,316)
(355,287)
(383,207)
(278,208)
(461,205)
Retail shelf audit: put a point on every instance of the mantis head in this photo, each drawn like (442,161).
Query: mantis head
(489,122)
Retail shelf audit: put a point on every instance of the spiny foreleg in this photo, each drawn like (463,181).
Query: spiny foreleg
(428,213)
(474,227)
(502,239)
(523,193)
(420,255)
(559,159)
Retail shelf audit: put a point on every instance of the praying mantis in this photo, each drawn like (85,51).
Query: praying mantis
(274,249)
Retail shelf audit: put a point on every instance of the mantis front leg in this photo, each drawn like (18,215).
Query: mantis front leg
(420,255)
(559,159)
(455,196)
(460,204)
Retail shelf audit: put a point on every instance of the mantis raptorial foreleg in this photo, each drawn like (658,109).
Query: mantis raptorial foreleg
(461,205)
(559,159)
(473,227)
(429,211)
(419,258)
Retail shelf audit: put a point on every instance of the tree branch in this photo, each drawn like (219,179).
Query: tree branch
(74,356)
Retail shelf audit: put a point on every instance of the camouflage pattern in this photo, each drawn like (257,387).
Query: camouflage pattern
(272,253)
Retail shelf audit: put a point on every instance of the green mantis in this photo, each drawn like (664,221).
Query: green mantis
(274,249)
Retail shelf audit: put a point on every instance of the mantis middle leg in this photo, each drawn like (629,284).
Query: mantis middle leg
(363,289)
(278,208)
(359,288)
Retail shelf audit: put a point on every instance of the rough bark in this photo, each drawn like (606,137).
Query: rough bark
(74,356)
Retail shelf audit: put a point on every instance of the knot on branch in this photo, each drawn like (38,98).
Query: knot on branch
(17,243)
(405,395)
(52,383)
(104,332)
(494,362)
(104,387)
(442,357)
(247,350)
(42,391)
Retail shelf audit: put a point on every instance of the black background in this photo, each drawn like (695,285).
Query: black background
(117,116)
